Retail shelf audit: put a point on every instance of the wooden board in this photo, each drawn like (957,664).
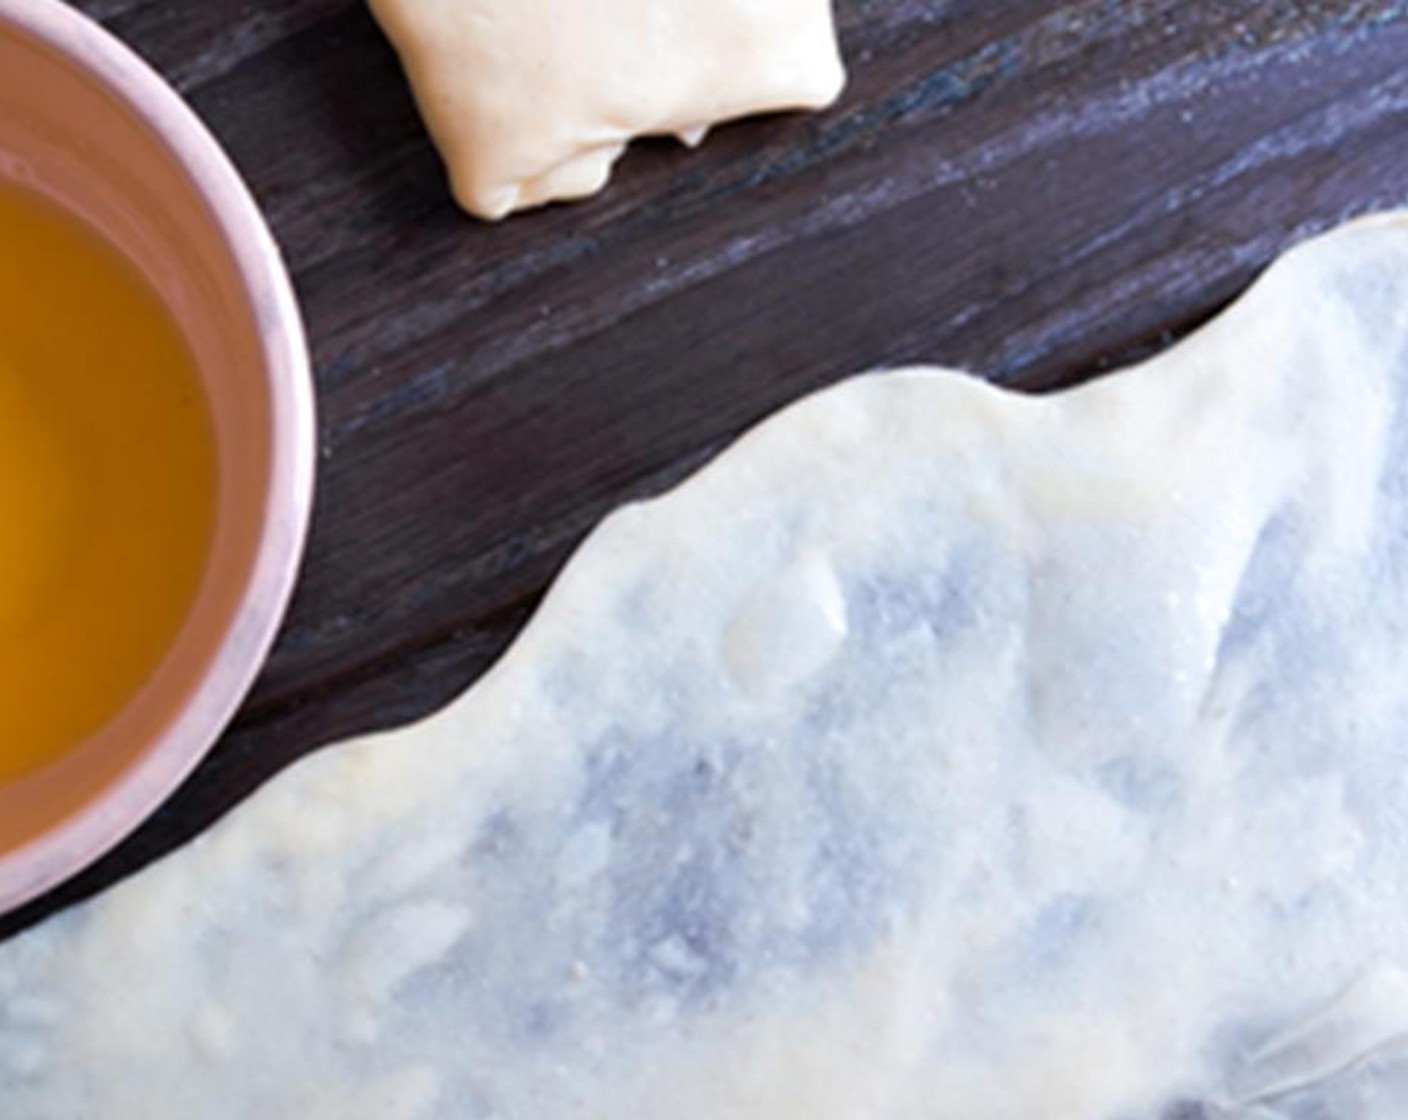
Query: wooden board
(1032,191)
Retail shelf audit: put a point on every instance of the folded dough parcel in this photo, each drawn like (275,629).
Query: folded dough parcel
(534,102)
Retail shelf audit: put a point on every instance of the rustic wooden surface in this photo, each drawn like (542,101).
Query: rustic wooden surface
(1033,191)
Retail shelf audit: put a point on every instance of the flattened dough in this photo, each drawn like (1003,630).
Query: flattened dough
(937,754)
(532,101)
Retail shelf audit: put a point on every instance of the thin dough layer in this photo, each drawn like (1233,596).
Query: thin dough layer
(531,101)
(937,754)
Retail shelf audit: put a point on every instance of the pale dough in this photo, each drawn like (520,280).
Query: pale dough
(937,754)
(532,101)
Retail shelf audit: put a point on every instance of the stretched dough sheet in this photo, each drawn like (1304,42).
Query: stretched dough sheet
(937,754)
(533,101)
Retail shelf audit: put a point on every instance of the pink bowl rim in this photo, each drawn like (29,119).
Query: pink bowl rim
(73,845)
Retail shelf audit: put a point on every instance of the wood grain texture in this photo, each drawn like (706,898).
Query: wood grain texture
(1032,191)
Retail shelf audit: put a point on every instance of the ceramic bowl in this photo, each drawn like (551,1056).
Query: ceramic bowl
(86,121)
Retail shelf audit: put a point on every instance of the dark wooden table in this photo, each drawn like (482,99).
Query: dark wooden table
(1032,191)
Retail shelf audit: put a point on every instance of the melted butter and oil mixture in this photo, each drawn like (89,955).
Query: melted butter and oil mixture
(107,482)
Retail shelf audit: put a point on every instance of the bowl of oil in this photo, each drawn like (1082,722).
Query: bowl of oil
(156,443)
